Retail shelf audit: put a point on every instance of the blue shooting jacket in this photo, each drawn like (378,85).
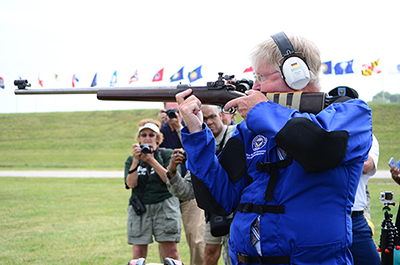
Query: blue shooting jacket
(316,225)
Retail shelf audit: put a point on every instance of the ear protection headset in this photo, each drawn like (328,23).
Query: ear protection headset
(294,68)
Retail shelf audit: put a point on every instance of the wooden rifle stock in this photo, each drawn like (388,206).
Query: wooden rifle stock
(217,97)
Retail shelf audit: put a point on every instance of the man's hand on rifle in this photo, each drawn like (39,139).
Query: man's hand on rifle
(245,104)
(190,110)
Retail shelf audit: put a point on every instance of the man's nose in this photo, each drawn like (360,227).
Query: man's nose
(256,85)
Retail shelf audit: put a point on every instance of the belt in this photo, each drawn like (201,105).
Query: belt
(247,259)
(356,213)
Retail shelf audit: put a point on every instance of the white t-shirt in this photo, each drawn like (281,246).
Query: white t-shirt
(361,196)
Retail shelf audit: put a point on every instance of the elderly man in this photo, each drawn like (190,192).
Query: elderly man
(291,176)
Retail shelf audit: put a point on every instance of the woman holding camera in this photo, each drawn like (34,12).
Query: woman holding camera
(152,211)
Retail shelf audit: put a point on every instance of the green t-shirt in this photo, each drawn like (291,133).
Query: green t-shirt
(156,190)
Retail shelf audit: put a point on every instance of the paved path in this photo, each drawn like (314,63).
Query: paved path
(64,174)
(104,174)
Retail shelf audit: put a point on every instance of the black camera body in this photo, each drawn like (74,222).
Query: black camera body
(184,154)
(146,148)
(171,113)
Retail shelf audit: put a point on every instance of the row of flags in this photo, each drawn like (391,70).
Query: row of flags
(346,67)
(340,68)
(192,76)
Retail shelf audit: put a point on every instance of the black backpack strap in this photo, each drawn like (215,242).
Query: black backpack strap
(260,209)
(248,259)
(273,169)
(163,155)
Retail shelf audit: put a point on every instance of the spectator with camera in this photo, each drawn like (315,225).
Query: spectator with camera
(171,125)
(153,210)
(216,228)
(192,215)
(290,176)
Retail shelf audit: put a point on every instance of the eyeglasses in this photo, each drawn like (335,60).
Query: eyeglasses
(144,135)
(211,117)
(262,78)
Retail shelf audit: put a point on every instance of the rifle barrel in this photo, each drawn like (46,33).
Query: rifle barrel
(89,90)
(56,91)
(144,93)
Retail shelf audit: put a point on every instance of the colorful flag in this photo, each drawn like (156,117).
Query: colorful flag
(74,79)
(366,70)
(40,81)
(159,76)
(94,82)
(395,69)
(177,76)
(1,82)
(369,69)
(195,74)
(344,68)
(134,78)
(248,70)
(327,68)
(113,79)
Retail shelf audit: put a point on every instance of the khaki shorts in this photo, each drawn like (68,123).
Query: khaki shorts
(210,239)
(163,220)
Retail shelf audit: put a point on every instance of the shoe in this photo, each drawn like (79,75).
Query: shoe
(169,261)
(140,261)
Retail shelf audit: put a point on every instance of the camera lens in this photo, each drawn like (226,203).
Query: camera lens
(146,148)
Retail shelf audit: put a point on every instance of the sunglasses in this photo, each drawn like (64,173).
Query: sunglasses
(144,135)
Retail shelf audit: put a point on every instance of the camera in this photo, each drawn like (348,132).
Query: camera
(243,85)
(386,197)
(146,148)
(183,153)
(171,113)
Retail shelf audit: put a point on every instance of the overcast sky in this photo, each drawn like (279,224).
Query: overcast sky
(43,38)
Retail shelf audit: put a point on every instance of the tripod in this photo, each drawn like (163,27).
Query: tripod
(388,235)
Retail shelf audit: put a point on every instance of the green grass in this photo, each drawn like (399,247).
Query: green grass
(101,140)
(66,221)
(83,221)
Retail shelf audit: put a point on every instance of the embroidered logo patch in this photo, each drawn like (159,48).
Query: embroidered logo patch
(259,142)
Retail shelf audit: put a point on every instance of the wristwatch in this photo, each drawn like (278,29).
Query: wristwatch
(170,172)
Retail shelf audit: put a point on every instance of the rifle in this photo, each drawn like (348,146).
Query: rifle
(217,93)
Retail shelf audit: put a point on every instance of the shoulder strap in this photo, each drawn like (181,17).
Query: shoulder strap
(163,156)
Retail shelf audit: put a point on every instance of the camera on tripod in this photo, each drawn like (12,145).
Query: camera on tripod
(389,233)
(386,197)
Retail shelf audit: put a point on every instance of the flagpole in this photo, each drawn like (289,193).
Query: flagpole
(383,90)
